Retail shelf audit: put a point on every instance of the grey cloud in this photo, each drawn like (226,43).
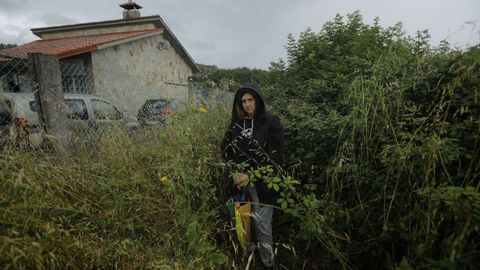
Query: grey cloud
(204,46)
(51,19)
(21,35)
(9,5)
(251,32)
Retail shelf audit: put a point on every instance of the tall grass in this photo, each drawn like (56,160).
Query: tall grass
(146,202)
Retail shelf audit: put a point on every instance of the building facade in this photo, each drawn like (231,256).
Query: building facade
(126,61)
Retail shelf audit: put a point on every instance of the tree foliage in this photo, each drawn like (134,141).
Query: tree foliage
(385,129)
(228,79)
(7,45)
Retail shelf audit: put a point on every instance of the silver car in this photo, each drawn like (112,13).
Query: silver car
(19,116)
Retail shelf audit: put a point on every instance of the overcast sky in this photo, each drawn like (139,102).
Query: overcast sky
(251,33)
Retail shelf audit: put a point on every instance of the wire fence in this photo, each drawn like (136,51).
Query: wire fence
(95,102)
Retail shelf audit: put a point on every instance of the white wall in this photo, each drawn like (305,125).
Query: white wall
(129,73)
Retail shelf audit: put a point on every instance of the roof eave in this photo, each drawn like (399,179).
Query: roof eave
(122,41)
(76,52)
(45,30)
(106,45)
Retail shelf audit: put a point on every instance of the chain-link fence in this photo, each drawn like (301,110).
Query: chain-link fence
(76,78)
(96,102)
(19,124)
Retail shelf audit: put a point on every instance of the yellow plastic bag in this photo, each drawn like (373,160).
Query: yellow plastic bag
(242,221)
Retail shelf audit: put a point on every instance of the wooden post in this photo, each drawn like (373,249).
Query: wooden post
(50,101)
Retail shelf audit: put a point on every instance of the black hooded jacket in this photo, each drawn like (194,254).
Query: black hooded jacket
(257,147)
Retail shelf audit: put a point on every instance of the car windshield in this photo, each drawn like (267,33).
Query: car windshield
(5,106)
(76,109)
(156,104)
(33,106)
(157,107)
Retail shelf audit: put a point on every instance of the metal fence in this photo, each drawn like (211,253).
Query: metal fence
(93,101)
(16,75)
(76,79)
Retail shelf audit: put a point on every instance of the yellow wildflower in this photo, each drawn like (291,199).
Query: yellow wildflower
(202,110)
(164,179)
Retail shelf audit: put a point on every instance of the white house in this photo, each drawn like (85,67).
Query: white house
(125,61)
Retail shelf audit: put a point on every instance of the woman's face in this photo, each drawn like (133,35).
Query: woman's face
(248,104)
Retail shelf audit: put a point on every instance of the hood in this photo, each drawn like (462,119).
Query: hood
(237,103)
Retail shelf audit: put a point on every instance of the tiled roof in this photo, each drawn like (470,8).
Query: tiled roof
(154,19)
(65,47)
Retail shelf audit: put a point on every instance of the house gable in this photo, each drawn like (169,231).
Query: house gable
(117,26)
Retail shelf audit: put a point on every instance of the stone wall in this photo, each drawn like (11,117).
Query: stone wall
(132,72)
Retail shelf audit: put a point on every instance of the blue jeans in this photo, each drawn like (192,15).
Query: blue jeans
(262,222)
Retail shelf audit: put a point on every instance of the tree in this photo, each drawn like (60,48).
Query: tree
(229,79)
(7,46)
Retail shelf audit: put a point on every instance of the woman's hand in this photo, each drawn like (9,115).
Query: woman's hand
(240,180)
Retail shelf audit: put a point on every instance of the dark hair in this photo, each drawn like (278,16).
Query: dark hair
(240,111)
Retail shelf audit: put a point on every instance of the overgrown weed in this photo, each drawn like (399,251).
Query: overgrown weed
(116,203)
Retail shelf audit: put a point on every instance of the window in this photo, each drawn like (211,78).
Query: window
(5,106)
(76,109)
(76,84)
(68,84)
(160,106)
(13,82)
(5,112)
(33,106)
(105,111)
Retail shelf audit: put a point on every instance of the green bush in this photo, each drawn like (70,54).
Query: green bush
(374,119)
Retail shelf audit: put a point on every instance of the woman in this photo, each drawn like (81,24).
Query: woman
(254,139)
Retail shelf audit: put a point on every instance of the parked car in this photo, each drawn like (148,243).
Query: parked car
(17,119)
(19,115)
(156,111)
